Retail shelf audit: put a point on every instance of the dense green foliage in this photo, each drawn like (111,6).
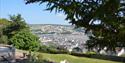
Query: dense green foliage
(105,19)
(3,24)
(17,24)
(16,32)
(52,50)
(3,39)
(25,40)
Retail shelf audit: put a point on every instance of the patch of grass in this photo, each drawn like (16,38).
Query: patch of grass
(72,59)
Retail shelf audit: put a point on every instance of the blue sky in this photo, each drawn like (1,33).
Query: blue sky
(32,13)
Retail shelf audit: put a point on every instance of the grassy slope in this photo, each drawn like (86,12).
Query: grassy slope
(73,59)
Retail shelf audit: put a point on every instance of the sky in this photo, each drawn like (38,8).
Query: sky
(32,13)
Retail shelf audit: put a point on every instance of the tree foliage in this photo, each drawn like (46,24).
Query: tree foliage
(17,24)
(25,40)
(3,24)
(4,21)
(3,39)
(105,19)
(18,33)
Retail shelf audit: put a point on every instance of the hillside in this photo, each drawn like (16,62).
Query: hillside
(54,28)
(64,36)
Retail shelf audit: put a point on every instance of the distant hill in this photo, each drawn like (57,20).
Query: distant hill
(54,28)
(64,36)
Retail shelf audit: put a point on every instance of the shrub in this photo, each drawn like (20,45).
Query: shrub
(47,49)
(36,58)
(91,53)
(52,50)
(25,40)
(3,39)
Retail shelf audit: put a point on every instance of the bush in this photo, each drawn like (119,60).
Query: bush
(3,39)
(25,40)
(36,58)
(47,49)
(52,50)
(91,53)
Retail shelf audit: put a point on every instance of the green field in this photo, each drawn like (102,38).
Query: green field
(72,59)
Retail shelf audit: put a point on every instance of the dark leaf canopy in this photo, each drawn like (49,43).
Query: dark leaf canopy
(84,13)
